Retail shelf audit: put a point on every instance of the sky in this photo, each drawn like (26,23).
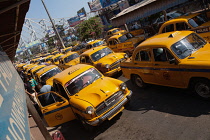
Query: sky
(56,8)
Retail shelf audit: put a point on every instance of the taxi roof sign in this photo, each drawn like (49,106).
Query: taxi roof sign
(174,34)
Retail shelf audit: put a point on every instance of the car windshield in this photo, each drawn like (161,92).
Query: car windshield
(41,60)
(101,53)
(48,59)
(98,43)
(55,53)
(176,14)
(57,58)
(69,49)
(125,37)
(71,57)
(83,80)
(188,45)
(196,21)
(116,30)
(50,74)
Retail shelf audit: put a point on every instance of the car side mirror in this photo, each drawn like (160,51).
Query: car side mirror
(172,61)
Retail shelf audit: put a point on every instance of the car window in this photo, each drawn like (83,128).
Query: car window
(101,53)
(110,42)
(71,57)
(142,56)
(159,54)
(49,98)
(182,26)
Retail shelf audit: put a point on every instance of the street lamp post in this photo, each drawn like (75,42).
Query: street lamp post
(56,32)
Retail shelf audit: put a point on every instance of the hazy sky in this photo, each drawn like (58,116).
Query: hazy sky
(56,8)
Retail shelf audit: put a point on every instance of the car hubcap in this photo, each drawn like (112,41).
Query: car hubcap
(202,90)
(138,81)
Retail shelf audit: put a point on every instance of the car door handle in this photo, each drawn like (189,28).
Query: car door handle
(156,64)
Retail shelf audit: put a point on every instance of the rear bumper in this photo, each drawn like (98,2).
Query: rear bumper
(113,112)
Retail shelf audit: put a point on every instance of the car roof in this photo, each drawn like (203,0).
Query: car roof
(71,72)
(37,67)
(113,29)
(164,39)
(189,16)
(92,42)
(93,50)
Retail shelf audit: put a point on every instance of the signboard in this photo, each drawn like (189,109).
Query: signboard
(106,3)
(81,13)
(13,111)
(123,5)
(95,6)
(74,21)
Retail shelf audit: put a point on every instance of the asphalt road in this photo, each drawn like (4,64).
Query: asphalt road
(155,113)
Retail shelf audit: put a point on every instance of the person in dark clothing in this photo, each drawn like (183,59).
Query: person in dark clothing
(29,90)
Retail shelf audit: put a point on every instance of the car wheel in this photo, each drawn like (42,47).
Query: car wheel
(138,81)
(86,126)
(202,88)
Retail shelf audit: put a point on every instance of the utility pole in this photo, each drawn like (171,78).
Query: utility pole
(56,32)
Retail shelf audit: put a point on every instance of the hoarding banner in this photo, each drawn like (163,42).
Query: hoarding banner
(74,21)
(13,110)
(51,32)
(81,13)
(106,3)
(95,6)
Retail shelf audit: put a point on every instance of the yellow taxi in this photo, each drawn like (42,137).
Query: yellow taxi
(66,50)
(47,73)
(27,70)
(36,69)
(83,93)
(68,60)
(79,48)
(124,42)
(104,59)
(19,67)
(55,52)
(47,59)
(55,59)
(177,59)
(114,31)
(195,22)
(95,43)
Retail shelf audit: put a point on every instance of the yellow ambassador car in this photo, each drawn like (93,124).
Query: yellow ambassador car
(47,73)
(47,59)
(33,71)
(104,59)
(95,43)
(124,43)
(196,22)
(114,31)
(177,59)
(79,48)
(83,93)
(66,50)
(55,59)
(68,60)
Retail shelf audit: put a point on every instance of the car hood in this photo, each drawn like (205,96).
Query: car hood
(134,40)
(111,58)
(206,24)
(97,92)
(201,55)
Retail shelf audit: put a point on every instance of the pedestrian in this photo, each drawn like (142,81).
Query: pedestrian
(33,83)
(46,99)
(29,90)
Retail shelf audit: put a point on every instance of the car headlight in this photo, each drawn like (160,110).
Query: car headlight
(123,86)
(90,110)
(126,56)
(107,66)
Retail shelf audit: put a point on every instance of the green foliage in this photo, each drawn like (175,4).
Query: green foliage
(91,28)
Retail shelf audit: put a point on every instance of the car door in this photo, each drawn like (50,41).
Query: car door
(55,108)
(165,72)
(143,65)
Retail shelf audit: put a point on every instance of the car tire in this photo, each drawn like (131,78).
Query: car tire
(86,126)
(202,88)
(139,82)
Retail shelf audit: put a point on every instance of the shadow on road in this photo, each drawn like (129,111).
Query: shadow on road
(73,130)
(169,100)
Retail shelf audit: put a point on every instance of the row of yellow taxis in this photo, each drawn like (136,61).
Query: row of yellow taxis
(81,91)
(177,59)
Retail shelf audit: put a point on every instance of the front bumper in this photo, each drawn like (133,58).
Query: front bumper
(113,112)
(112,72)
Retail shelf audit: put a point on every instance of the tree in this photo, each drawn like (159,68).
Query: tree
(91,28)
